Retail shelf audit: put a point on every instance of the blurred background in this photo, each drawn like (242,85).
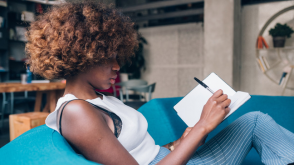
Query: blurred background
(179,40)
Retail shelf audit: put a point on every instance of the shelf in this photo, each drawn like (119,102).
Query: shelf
(21,23)
(18,41)
(14,46)
(17,61)
(14,19)
(274,62)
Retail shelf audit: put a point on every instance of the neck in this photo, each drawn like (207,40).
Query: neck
(80,88)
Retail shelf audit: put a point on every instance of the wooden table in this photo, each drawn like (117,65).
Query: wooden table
(54,90)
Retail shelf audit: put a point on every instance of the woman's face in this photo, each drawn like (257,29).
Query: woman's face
(102,76)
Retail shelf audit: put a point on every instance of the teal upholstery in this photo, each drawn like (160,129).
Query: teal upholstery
(42,145)
(165,126)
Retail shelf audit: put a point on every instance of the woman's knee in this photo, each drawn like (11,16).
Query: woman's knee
(251,117)
(254,114)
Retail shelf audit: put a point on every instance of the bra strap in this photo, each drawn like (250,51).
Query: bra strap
(60,114)
(96,106)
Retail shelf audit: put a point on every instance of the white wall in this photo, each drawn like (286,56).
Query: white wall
(174,56)
(253,19)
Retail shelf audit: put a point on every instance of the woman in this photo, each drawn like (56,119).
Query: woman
(86,43)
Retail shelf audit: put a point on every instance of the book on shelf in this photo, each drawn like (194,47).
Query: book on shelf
(260,43)
(285,75)
(20,33)
(264,60)
(262,68)
(27,16)
(190,107)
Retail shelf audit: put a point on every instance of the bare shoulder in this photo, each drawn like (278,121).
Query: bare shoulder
(86,129)
(80,117)
(79,108)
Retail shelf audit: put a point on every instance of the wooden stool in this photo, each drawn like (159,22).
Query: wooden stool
(20,123)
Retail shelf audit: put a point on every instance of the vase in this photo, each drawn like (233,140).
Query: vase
(279,42)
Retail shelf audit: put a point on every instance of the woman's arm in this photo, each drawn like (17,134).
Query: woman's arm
(86,129)
(213,113)
(178,142)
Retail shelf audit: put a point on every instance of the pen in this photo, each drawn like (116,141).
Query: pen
(204,85)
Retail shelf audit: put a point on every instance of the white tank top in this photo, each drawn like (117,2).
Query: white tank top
(133,136)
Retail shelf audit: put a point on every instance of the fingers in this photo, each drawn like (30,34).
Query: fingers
(226,107)
(217,94)
(227,110)
(222,98)
(226,103)
(223,102)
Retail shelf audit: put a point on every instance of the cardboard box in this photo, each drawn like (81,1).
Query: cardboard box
(20,123)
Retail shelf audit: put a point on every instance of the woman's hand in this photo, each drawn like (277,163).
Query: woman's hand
(214,111)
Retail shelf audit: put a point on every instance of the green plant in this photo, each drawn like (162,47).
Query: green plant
(281,31)
(137,62)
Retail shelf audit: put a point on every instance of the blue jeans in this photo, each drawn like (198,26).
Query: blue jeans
(274,143)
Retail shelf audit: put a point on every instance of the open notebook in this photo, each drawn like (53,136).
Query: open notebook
(190,107)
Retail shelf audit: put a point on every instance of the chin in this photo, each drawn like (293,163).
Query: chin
(106,87)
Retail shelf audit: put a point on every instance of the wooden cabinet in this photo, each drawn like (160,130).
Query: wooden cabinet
(20,123)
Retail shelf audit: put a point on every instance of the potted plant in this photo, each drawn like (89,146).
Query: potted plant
(280,33)
(133,69)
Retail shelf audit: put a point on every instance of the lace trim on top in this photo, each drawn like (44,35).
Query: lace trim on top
(116,120)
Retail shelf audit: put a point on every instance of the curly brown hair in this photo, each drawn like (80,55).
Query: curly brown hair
(71,38)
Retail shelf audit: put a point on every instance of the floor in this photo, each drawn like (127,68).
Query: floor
(4,133)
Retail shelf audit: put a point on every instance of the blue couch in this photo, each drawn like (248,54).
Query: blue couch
(42,145)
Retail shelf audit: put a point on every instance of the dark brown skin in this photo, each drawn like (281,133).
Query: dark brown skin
(91,131)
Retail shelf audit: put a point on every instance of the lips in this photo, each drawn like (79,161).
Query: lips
(112,81)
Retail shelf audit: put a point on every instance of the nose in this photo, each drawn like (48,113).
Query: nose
(115,66)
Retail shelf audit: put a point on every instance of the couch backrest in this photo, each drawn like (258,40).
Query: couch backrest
(164,125)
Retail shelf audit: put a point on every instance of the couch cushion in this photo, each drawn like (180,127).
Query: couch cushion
(165,126)
(40,145)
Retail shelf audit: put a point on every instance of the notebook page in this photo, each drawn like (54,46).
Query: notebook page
(238,99)
(190,107)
